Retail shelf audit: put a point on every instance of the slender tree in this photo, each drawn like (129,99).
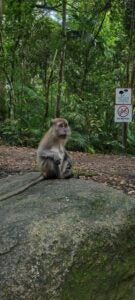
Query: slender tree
(2,76)
(62,58)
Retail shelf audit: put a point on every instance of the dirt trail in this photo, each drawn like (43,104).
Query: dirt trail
(115,170)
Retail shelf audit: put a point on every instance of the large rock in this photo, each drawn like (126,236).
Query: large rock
(66,240)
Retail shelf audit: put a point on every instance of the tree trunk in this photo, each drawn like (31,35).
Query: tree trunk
(2,76)
(62,58)
(130,74)
(1,8)
(47,89)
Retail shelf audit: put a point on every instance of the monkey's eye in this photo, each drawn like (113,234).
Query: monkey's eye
(65,124)
(60,125)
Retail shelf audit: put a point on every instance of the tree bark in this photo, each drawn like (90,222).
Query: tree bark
(62,59)
(130,73)
(47,91)
(2,76)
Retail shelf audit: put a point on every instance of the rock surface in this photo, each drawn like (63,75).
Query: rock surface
(66,240)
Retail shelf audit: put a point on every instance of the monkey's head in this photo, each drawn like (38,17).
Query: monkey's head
(61,128)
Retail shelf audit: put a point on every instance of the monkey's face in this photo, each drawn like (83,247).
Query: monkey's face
(62,128)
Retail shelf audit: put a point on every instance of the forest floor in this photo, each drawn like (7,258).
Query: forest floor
(114,170)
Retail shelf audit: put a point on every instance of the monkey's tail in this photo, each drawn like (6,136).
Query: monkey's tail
(21,189)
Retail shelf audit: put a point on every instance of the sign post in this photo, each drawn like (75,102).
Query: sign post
(123,111)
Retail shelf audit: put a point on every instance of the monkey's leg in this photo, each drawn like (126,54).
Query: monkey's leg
(66,170)
(50,169)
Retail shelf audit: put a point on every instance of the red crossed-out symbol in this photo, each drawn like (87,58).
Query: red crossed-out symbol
(123,111)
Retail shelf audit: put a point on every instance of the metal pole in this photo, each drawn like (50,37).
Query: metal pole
(124,137)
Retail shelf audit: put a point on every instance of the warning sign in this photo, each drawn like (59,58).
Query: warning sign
(123,96)
(123,113)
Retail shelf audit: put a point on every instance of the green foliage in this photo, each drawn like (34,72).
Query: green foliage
(13,133)
(9,132)
(78,141)
(131,141)
(100,43)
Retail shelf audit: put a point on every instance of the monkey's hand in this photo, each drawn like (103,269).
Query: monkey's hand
(56,159)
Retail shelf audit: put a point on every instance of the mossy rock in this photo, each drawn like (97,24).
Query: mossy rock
(67,240)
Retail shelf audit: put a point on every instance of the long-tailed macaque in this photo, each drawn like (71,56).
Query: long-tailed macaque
(52,158)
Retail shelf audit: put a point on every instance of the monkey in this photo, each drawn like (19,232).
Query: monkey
(53,160)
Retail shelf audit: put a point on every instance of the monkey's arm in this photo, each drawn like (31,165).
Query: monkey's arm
(49,154)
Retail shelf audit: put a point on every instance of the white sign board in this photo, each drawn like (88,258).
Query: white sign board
(123,113)
(123,96)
